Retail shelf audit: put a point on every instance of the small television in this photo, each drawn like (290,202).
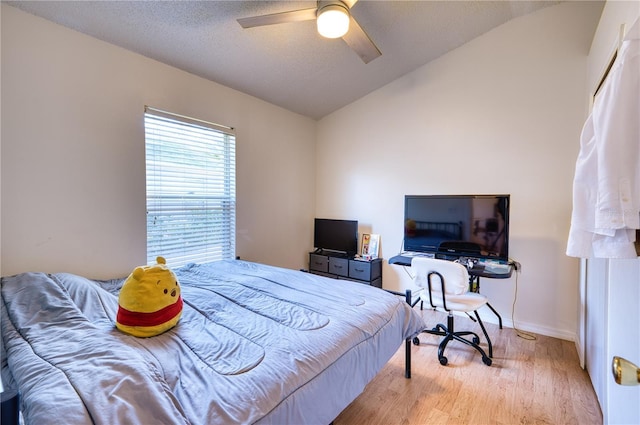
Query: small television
(453,226)
(340,236)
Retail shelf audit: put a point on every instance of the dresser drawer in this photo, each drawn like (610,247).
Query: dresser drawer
(319,263)
(339,266)
(360,270)
(365,270)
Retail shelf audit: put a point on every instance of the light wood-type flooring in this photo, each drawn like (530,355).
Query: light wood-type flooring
(530,382)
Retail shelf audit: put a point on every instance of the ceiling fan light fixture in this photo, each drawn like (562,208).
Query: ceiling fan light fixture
(333,21)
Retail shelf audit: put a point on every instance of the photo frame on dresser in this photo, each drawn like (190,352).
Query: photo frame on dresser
(370,246)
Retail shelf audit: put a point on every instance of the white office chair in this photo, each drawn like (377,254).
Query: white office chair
(446,286)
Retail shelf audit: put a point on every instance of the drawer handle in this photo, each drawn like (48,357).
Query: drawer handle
(360,270)
(337,267)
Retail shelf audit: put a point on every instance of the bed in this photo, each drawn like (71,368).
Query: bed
(255,344)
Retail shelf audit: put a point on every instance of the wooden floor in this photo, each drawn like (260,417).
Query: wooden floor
(530,382)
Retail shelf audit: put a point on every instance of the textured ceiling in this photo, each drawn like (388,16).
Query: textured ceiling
(289,65)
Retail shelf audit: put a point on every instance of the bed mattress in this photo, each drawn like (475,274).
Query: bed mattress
(255,344)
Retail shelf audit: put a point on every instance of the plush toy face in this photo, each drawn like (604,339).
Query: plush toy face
(149,302)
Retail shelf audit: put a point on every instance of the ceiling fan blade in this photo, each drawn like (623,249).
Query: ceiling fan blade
(360,42)
(349,3)
(278,18)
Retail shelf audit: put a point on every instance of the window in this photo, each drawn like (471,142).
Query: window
(191,189)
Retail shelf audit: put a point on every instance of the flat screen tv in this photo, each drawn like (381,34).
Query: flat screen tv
(451,226)
(339,236)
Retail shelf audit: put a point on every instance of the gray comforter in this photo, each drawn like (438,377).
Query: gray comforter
(255,344)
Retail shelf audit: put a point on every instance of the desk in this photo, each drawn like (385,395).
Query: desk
(481,268)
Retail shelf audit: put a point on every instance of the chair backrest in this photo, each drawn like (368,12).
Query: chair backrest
(456,276)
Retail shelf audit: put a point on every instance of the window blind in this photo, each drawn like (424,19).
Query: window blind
(191,189)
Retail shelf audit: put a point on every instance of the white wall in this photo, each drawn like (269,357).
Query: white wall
(501,114)
(607,36)
(73,177)
(508,106)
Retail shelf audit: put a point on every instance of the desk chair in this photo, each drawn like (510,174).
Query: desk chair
(446,286)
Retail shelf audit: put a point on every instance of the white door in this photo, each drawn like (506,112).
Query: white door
(623,402)
(595,322)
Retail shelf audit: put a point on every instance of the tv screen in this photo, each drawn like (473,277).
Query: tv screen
(336,235)
(452,226)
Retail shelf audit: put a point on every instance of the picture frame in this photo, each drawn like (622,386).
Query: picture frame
(370,246)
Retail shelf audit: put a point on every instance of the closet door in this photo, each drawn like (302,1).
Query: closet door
(623,402)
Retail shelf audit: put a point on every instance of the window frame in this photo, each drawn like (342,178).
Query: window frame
(190,189)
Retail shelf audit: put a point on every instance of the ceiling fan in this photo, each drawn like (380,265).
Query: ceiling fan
(334,20)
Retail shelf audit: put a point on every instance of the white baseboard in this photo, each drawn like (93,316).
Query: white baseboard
(487,316)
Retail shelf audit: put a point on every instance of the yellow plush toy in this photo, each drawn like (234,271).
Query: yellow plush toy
(149,302)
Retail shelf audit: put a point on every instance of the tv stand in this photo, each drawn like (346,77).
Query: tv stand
(342,266)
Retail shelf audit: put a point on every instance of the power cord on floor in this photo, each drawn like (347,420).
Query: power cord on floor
(522,334)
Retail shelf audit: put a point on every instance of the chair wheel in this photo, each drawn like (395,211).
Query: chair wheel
(476,340)
(487,361)
(416,340)
(444,360)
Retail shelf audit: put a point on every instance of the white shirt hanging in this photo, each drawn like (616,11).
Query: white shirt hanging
(606,191)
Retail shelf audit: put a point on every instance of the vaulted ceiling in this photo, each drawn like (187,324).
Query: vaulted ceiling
(288,64)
